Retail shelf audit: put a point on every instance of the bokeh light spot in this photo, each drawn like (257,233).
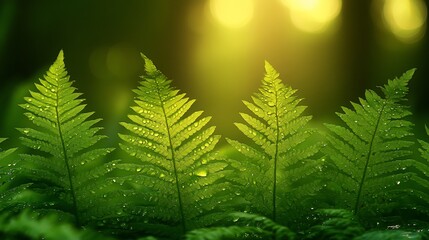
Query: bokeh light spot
(406,19)
(313,16)
(232,13)
(122,60)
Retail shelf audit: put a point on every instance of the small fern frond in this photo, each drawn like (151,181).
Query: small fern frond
(419,198)
(61,143)
(5,154)
(393,234)
(337,224)
(179,179)
(371,153)
(8,191)
(29,225)
(245,226)
(278,170)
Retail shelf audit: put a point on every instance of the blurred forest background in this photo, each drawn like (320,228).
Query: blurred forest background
(214,50)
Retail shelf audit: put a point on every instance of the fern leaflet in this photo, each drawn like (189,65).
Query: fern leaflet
(371,154)
(8,192)
(180,180)
(29,225)
(61,160)
(337,224)
(276,175)
(418,196)
(246,226)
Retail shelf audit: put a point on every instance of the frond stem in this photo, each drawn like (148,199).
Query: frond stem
(173,158)
(276,155)
(66,159)
(368,157)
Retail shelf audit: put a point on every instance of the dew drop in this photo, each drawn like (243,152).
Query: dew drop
(201,173)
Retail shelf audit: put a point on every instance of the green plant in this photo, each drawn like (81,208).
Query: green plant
(277,172)
(9,192)
(337,224)
(371,154)
(172,183)
(246,226)
(177,180)
(28,225)
(61,163)
(418,198)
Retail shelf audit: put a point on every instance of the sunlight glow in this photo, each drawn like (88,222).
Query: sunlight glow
(313,16)
(232,13)
(406,19)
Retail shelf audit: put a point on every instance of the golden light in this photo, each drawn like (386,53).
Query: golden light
(406,19)
(313,16)
(232,13)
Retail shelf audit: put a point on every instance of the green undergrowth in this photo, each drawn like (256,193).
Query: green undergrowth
(365,177)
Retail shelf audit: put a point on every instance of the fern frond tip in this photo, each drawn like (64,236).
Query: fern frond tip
(148,64)
(269,69)
(60,56)
(398,88)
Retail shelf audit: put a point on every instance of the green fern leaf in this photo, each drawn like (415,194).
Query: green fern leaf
(62,156)
(393,235)
(371,153)
(29,225)
(277,173)
(180,180)
(337,224)
(246,226)
(418,197)
(4,154)
(8,192)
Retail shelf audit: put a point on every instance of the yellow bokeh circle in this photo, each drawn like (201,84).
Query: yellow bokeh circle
(406,19)
(232,13)
(313,16)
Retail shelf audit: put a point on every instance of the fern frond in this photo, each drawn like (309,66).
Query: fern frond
(371,153)
(61,155)
(337,224)
(4,154)
(245,226)
(8,192)
(29,225)
(419,199)
(393,234)
(178,178)
(277,173)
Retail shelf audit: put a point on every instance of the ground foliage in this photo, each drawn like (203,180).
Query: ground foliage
(365,177)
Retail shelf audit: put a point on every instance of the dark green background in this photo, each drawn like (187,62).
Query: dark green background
(329,70)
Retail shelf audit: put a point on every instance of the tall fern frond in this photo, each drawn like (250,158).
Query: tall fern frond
(61,161)
(278,169)
(371,153)
(178,179)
